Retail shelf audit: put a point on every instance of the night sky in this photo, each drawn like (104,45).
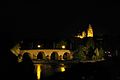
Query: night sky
(59,19)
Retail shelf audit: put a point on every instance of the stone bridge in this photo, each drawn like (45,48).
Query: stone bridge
(55,54)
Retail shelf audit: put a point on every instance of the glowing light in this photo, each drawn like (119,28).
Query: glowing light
(63,46)
(62,69)
(39,46)
(38,71)
(78,36)
(81,36)
(90,31)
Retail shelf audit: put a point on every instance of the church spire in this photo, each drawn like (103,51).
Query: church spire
(89,31)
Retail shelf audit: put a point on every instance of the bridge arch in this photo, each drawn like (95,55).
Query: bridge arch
(48,53)
(27,56)
(41,55)
(54,55)
(66,56)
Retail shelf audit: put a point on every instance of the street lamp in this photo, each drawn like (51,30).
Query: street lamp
(63,46)
(39,46)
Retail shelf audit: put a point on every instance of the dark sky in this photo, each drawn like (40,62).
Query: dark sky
(59,19)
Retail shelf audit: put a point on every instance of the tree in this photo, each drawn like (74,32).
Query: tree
(60,44)
(80,53)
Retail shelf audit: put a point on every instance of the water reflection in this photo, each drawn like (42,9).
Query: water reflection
(38,71)
(61,68)
(46,70)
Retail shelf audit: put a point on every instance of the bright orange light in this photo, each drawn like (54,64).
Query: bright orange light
(62,69)
(78,36)
(81,36)
(90,31)
(38,71)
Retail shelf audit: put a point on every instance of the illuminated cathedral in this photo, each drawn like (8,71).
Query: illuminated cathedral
(87,49)
(88,34)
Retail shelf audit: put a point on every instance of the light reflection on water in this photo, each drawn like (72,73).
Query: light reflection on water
(46,70)
(38,71)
